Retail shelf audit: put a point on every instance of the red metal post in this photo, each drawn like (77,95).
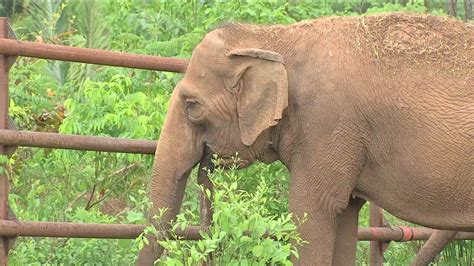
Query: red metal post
(4,65)
(205,202)
(376,247)
(205,211)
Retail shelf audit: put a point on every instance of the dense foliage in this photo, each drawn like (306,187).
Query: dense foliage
(249,226)
(53,96)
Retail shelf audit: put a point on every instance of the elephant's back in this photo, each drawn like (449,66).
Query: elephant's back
(427,42)
(410,76)
(425,65)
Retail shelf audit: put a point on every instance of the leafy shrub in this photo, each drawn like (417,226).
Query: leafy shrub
(244,231)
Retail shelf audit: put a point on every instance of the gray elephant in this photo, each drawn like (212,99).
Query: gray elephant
(377,108)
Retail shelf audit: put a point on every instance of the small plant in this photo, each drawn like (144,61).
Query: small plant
(243,230)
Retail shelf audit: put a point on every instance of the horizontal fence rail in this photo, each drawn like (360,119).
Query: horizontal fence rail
(84,230)
(131,231)
(91,56)
(402,234)
(75,142)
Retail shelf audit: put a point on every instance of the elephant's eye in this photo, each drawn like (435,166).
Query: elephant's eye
(195,110)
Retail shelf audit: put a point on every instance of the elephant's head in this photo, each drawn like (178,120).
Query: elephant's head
(228,101)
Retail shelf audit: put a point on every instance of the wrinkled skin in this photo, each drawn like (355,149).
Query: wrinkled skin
(349,122)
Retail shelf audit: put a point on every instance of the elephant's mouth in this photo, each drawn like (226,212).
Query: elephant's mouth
(231,162)
(227,161)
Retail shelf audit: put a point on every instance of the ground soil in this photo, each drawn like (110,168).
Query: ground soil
(397,39)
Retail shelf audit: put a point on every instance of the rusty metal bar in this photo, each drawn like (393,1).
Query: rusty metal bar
(376,246)
(130,231)
(4,28)
(403,234)
(205,202)
(75,142)
(83,230)
(91,56)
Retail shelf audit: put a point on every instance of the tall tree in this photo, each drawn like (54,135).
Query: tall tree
(452,7)
(403,2)
(427,5)
(468,9)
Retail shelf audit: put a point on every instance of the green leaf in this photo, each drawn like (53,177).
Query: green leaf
(257,251)
(133,217)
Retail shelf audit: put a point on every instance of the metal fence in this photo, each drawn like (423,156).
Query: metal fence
(379,233)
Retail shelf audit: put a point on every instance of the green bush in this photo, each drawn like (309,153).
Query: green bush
(244,230)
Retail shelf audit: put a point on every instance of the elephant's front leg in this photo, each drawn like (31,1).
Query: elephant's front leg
(319,230)
(322,206)
(322,188)
(345,246)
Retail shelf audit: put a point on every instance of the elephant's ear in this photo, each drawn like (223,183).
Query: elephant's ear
(262,91)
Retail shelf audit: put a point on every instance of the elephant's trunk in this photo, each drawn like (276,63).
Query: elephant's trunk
(177,152)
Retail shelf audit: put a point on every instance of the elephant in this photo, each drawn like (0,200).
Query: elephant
(377,108)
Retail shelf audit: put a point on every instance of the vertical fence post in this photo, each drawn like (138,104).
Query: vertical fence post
(205,210)
(377,248)
(4,66)
(205,202)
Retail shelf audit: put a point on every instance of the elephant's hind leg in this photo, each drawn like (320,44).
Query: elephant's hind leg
(346,239)
(433,247)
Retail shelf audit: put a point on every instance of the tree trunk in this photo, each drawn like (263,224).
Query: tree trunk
(403,2)
(452,7)
(468,9)
(427,6)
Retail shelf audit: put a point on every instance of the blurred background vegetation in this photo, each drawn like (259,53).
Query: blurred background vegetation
(72,98)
